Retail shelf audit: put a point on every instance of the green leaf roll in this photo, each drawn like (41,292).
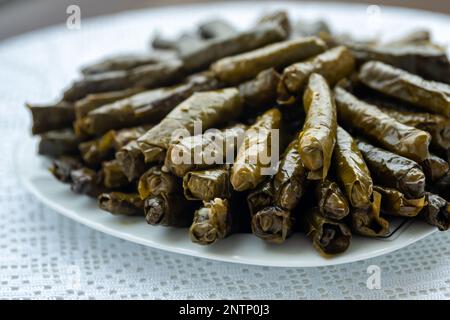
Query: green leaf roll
(154,182)
(208,184)
(318,137)
(437,212)
(394,203)
(119,203)
(388,132)
(331,201)
(272,224)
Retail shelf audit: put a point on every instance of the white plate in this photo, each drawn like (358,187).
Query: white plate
(297,251)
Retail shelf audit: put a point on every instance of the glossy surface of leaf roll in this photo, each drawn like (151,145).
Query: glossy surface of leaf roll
(318,137)
(260,91)
(238,68)
(216,28)
(56,143)
(212,50)
(388,132)
(86,181)
(434,168)
(290,181)
(210,108)
(433,96)
(212,222)
(126,62)
(351,170)
(426,60)
(393,171)
(146,76)
(333,65)
(261,197)
(368,222)
(207,185)
(329,237)
(247,171)
(394,203)
(113,176)
(436,125)
(200,152)
(96,100)
(51,117)
(331,201)
(437,212)
(95,151)
(169,210)
(63,166)
(131,160)
(154,182)
(272,224)
(119,203)
(146,107)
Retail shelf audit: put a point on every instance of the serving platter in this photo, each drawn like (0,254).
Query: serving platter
(360,21)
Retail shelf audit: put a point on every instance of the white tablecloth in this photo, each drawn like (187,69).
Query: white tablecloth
(44,255)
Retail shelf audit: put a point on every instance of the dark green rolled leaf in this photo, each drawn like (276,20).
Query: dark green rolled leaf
(238,68)
(216,28)
(57,143)
(51,117)
(260,91)
(119,203)
(436,212)
(433,96)
(378,126)
(434,168)
(441,187)
(63,166)
(393,171)
(261,197)
(290,181)
(86,181)
(131,160)
(169,210)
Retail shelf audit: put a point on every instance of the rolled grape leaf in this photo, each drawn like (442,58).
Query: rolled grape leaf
(154,182)
(368,222)
(261,197)
(63,166)
(352,171)
(318,137)
(238,68)
(169,210)
(372,122)
(86,181)
(207,185)
(433,96)
(272,224)
(393,171)
(331,201)
(113,176)
(210,108)
(247,171)
(329,237)
(119,203)
(394,203)
(200,152)
(436,212)
(51,117)
(57,143)
(290,181)
(131,160)
(333,65)
(434,168)
(260,91)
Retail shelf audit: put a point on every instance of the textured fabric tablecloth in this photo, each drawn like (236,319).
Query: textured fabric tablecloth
(45,255)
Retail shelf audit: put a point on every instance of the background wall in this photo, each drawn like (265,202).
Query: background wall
(18,16)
